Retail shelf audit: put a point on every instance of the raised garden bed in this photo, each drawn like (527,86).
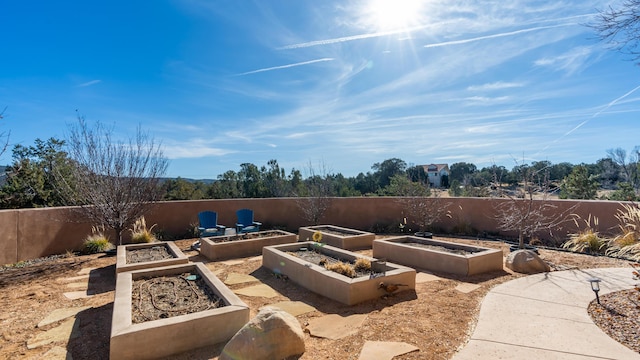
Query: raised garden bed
(148,255)
(300,262)
(243,245)
(152,322)
(348,239)
(437,255)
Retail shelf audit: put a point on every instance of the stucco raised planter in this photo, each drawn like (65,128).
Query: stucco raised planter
(173,335)
(178,257)
(476,259)
(237,246)
(343,238)
(328,283)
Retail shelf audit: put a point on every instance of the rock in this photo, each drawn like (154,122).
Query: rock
(272,334)
(526,262)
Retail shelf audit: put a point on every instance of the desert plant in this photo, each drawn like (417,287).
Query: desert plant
(362,264)
(341,268)
(631,252)
(96,242)
(627,243)
(140,233)
(587,240)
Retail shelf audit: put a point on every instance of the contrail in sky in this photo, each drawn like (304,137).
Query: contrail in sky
(510,33)
(593,116)
(285,66)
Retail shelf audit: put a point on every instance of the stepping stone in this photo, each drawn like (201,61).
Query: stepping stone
(61,314)
(65,331)
(294,308)
(75,295)
(72,279)
(467,287)
(261,290)
(336,327)
(84,285)
(422,277)
(256,258)
(232,262)
(57,353)
(86,271)
(384,350)
(235,278)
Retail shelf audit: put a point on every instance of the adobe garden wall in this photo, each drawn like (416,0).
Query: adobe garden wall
(32,233)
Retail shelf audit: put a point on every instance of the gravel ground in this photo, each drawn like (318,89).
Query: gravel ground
(618,315)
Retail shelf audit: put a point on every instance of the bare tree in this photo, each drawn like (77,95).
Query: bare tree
(620,27)
(314,200)
(113,182)
(4,135)
(527,209)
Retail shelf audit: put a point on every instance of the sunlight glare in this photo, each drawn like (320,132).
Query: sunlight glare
(387,15)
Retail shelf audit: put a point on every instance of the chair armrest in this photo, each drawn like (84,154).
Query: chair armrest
(257,223)
(221,227)
(200,228)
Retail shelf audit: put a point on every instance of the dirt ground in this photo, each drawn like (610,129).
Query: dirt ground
(436,317)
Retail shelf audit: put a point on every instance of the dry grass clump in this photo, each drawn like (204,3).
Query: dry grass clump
(588,240)
(362,264)
(342,268)
(97,241)
(140,233)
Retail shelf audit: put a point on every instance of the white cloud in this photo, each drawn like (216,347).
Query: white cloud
(89,83)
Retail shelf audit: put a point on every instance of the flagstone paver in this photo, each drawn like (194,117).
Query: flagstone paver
(385,350)
(82,285)
(57,353)
(68,329)
(61,314)
(232,262)
(236,278)
(261,290)
(86,271)
(73,278)
(467,287)
(75,295)
(335,327)
(422,277)
(294,308)
(256,258)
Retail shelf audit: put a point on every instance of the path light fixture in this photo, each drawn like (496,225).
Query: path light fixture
(595,286)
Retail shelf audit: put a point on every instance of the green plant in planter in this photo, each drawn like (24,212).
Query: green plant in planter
(140,233)
(96,242)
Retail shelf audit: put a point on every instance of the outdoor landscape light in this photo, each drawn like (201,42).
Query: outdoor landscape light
(595,286)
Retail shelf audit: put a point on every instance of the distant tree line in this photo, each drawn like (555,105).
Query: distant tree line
(30,180)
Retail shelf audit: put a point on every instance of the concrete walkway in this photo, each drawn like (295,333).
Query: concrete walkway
(544,316)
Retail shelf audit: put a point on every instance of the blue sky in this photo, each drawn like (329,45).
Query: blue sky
(340,83)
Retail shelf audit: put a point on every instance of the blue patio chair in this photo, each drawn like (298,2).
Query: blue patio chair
(209,224)
(245,221)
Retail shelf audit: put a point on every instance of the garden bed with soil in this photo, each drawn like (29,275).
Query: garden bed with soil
(243,245)
(148,255)
(437,255)
(348,239)
(170,310)
(289,261)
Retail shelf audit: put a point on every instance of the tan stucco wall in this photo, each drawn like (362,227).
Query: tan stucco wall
(32,233)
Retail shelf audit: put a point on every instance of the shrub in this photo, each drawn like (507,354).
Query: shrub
(341,268)
(362,264)
(96,242)
(140,233)
(587,240)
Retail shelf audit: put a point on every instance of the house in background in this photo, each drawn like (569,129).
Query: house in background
(438,175)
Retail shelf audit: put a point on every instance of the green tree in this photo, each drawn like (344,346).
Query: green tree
(625,192)
(384,171)
(227,186)
(401,185)
(251,182)
(461,171)
(181,189)
(31,180)
(579,185)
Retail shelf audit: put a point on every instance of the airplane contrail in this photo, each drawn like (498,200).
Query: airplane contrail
(285,66)
(493,36)
(610,104)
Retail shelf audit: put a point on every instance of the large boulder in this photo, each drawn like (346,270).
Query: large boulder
(272,334)
(526,262)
